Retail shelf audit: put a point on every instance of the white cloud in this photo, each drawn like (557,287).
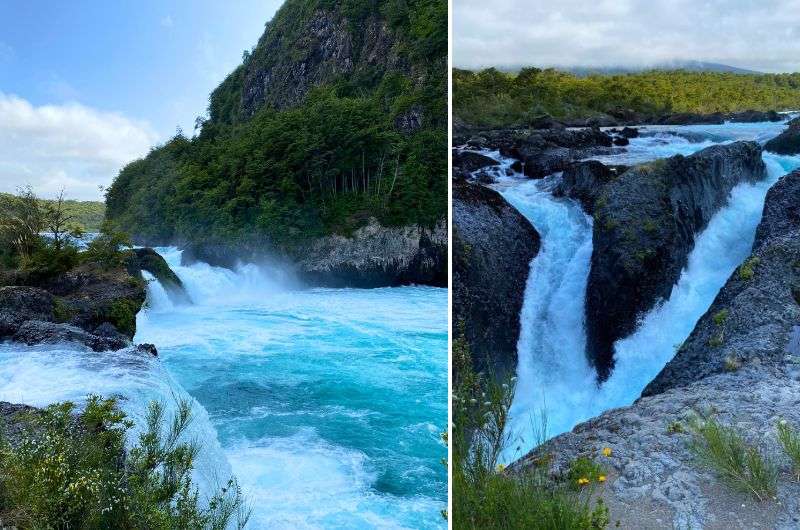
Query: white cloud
(68,146)
(759,35)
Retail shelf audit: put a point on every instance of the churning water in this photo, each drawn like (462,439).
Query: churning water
(328,403)
(555,379)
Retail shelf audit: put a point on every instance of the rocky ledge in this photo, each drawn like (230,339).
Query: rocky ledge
(91,304)
(645,222)
(788,142)
(653,481)
(377,256)
(372,256)
(757,306)
(493,245)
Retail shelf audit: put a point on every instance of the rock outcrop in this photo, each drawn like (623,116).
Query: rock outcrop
(645,225)
(754,116)
(653,481)
(493,245)
(377,256)
(757,309)
(147,259)
(584,182)
(788,142)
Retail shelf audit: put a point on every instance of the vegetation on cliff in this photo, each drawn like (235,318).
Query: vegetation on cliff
(490,98)
(360,132)
(62,470)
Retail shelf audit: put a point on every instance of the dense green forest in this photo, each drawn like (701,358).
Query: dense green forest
(87,215)
(492,98)
(326,164)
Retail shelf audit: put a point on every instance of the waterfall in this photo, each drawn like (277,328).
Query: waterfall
(555,380)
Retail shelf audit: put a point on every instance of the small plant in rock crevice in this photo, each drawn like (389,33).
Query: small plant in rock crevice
(725,452)
(790,441)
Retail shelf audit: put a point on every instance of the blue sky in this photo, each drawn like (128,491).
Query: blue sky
(86,85)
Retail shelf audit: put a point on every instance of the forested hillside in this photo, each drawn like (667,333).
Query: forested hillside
(87,215)
(491,98)
(338,114)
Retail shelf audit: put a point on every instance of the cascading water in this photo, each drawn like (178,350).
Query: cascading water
(41,375)
(555,380)
(328,402)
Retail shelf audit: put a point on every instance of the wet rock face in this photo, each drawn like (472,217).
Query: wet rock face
(645,223)
(788,142)
(377,256)
(147,259)
(755,316)
(18,304)
(37,332)
(690,118)
(493,245)
(584,182)
(754,116)
(472,161)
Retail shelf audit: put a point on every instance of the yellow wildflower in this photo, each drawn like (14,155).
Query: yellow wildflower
(601,478)
(583,481)
(606,451)
(500,468)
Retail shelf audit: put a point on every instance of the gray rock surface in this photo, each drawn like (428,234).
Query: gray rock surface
(21,303)
(493,245)
(377,256)
(645,224)
(38,332)
(584,182)
(756,308)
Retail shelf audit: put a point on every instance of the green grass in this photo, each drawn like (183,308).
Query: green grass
(488,496)
(737,463)
(790,441)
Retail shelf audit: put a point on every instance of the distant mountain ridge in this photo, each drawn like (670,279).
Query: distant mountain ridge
(686,66)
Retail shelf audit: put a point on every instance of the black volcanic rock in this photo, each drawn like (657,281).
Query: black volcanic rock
(645,226)
(493,245)
(756,314)
(754,116)
(788,142)
(584,181)
(472,161)
(691,118)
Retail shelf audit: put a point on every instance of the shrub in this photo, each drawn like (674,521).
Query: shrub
(747,269)
(122,313)
(106,248)
(70,471)
(720,317)
(739,464)
(732,364)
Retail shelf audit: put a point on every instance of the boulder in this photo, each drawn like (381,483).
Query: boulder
(472,161)
(754,116)
(756,313)
(645,223)
(39,332)
(788,142)
(493,245)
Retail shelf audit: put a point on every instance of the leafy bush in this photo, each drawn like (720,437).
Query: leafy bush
(747,269)
(106,248)
(70,471)
(485,495)
(739,464)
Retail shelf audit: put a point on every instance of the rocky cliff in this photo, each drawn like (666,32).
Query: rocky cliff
(493,245)
(645,225)
(757,310)
(653,480)
(788,142)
